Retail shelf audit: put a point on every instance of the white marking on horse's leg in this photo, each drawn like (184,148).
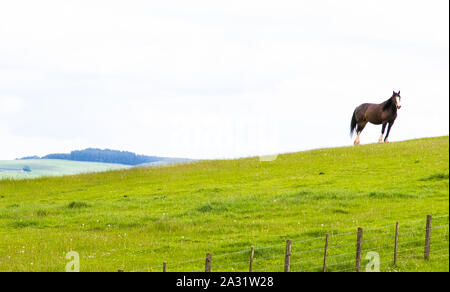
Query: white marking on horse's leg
(381,139)
(357,140)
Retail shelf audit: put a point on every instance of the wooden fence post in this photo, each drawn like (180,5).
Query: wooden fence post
(164,267)
(428,238)
(396,244)
(325,254)
(208,263)
(252,253)
(287,259)
(359,248)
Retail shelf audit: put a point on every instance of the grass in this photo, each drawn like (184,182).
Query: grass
(13,169)
(135,219)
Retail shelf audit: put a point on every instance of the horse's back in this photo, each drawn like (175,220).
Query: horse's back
(361,109)
(370,112)
(367,112)
(365,106)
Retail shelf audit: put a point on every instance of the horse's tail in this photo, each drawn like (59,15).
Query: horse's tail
(353,124)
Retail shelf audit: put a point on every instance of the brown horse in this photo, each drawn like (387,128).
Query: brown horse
(379,114)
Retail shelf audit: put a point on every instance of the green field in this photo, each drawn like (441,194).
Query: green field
(138,218)
(51,167)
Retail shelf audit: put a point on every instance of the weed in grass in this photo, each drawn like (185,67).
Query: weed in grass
(42,213)
(436,177)
(77,205)
(24,224)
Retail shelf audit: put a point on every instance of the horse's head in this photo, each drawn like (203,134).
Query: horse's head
(397,99)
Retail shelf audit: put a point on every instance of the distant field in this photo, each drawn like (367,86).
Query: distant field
(51,167)
(137,218)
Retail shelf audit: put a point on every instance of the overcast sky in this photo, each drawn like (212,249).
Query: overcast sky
(216,79)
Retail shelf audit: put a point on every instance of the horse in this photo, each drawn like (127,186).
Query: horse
(379,114)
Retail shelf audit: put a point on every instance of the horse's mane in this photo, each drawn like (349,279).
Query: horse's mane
(388,103)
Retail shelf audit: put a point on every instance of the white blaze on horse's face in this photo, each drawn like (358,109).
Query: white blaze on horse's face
(398,101)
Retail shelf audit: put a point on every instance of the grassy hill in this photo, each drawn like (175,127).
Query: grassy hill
(51,167)
(135,219)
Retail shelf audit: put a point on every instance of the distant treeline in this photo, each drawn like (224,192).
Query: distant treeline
(99,155)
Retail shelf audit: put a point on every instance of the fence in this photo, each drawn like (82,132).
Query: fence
(394,244)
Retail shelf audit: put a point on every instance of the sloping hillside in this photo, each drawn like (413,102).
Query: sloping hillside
(135,219)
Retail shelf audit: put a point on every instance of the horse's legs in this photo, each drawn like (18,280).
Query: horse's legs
(359,130)
(388,132)
(383,129)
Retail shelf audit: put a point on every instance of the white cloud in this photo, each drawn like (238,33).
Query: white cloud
(10,106)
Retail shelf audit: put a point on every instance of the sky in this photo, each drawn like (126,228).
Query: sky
(216,79)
